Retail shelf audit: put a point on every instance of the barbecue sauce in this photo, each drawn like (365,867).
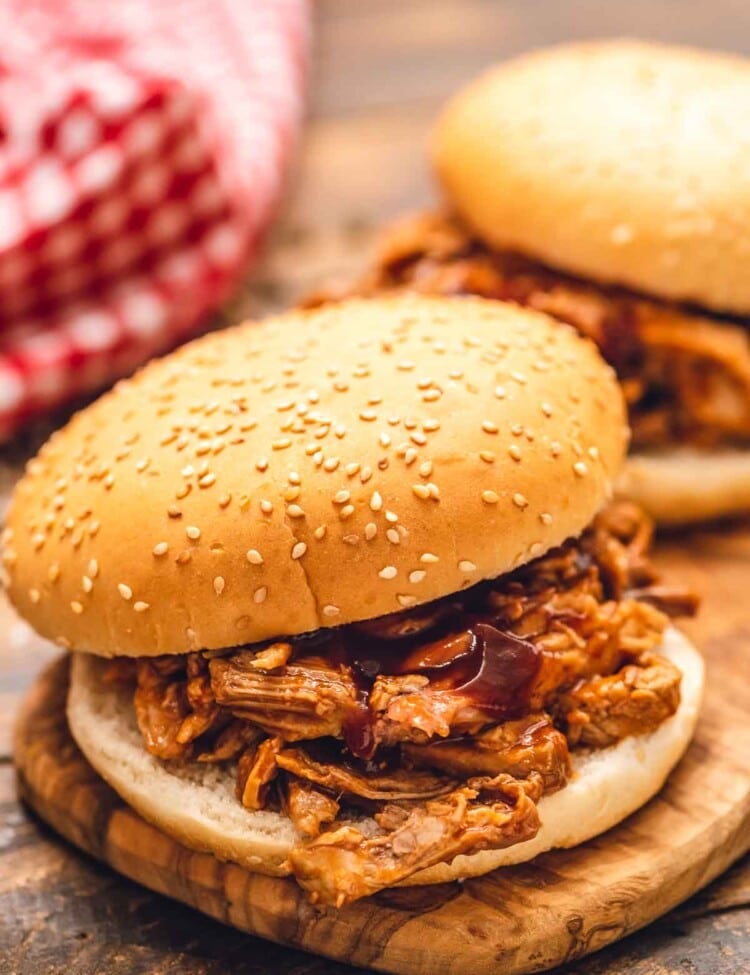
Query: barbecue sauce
(491,667)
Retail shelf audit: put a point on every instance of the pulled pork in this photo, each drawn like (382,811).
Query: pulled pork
(400,743)
(686,377)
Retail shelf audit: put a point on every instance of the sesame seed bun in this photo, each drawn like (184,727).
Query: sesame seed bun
(317,468)
(619,161)
(684,485)
(196,803)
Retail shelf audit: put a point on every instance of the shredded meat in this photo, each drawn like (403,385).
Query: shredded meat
(686,377)
(444,724)
(519,748)
(343,865)
(310,810)
(306,700)
(256,770)
(399,783)
(635,700)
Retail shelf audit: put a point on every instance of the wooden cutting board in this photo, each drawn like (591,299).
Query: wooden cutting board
(520,919)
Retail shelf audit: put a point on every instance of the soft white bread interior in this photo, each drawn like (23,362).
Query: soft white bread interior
(620,161)
(196,804)
(682,485)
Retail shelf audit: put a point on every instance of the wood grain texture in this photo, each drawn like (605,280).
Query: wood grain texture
(528,918)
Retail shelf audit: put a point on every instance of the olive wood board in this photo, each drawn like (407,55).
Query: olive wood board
(520,919)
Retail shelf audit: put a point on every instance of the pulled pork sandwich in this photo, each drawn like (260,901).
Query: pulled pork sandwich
(368,620)
(607,184)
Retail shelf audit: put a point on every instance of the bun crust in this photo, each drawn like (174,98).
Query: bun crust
(619,161)
(684,485)
(196,804)
(312,470)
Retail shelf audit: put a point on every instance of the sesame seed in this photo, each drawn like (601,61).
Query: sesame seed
(254,557)
(434,491)
(388,572)
(193,532)
(291,493)
(391,516)
(331,610)
(331,464)
(173,511)
(371,530)
(546,518)
(184,557)
(341,497)
(207,480)
(517,429)
(140,606)
(594,453)
(500,392)
(266,507)
(519,378)
(281,444)
(352,469)
(37,540)
(346,512)
(555,449)
(417,576)
(515,451)
(490,497)
(519,500)
(34,595)
(376,501)
(421,490)
(431,395)
(410,456)
(536,549)
(93,568)
(429,426)
(365,474)
(294,511)
(125,591)
(384,439)
(368,415)
(299,550)
(466,566)
(487,456)
(489,427)
(87,584)
(406,599)
(580,468)
(53,573)
(160,548)
(418,438)
(259,596)
(428,558)
(393,536)
(76,607)
(546,409)
(351,539)
(219,585)
(320,532)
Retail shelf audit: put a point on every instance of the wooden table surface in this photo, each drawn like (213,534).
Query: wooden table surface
(380,72)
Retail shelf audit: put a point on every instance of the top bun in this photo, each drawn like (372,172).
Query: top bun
(620,161)
(318,468)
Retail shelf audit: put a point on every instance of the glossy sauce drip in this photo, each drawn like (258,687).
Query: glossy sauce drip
(491,667)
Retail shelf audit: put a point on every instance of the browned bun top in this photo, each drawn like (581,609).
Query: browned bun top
(310,470)
(620,161)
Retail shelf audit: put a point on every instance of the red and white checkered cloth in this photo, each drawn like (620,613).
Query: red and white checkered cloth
(142,146)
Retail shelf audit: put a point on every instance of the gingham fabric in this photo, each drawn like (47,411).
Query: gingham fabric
(142,146)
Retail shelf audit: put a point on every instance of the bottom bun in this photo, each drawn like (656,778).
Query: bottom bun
(196,804)
(683,484)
